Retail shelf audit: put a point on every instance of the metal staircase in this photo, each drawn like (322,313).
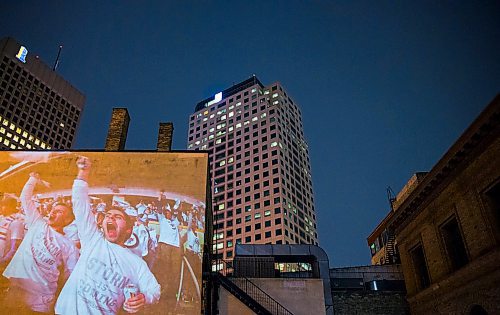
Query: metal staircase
(251,295)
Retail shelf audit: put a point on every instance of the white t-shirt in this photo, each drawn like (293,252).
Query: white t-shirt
(169,231)
(35,266)
(139,240)
(11,228)
(103,270)
(193,241)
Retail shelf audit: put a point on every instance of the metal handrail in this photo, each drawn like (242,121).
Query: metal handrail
(256,293)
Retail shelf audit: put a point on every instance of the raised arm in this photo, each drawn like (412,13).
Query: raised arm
(27,202)
(84,218)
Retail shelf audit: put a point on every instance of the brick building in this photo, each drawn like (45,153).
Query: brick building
(447,228)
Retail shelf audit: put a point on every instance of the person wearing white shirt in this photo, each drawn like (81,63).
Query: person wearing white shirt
(167,268)
(34,271)
(106,266)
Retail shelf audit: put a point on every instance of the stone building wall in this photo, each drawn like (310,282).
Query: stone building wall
(369,303)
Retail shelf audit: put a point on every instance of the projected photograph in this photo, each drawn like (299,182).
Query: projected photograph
(101,232)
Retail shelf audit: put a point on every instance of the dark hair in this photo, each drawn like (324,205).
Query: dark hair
(127,218)
(68,206)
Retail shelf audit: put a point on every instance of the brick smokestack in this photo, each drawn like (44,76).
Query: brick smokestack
(165,134)
(117,131)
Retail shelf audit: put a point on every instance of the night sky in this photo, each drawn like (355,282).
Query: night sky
(385,88)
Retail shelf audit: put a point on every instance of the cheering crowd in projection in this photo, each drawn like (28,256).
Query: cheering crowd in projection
(79,254)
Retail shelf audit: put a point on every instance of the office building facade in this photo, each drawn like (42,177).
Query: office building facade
(38,108)
(259,165)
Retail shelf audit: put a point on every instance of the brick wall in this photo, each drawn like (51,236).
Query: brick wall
(369,303)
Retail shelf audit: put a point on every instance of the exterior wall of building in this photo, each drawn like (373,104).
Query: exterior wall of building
(299,296)
(460,196)
(38,108)
(228,304)
(369,303)
(260,170)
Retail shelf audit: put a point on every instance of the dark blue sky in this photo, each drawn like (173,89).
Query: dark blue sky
(385,88)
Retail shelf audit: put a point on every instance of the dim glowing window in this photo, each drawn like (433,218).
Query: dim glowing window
(2,130)
(221,206)
(274,144)
(254,119)
(238,125)
(266,92)
(238,104)
(257,216)
(222,163)
(230,160)
(211,137)
(211,129)
(267,213)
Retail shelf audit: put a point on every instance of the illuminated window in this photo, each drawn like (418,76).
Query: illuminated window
(6,141)
(211,129)
(222,163)
(211,137)
(218,141)
(238,104)
(257,215)
(267,213)
(274,144)
(18,130)
(254,119)
(37,142)
(221,206)
(275,95)
(12,126)
(230,160)
(25,134)
(266,92)
(231,114)
(238,125)
(263,115)
(231,129)
(2,130)
(275,102)
(16,138)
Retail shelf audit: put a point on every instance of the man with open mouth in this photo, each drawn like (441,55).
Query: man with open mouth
(45,252)
(106,267)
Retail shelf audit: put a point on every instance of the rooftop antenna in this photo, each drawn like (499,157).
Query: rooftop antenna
(56,63)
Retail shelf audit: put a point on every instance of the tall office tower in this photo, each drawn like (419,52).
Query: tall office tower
(38,108)
(260,171)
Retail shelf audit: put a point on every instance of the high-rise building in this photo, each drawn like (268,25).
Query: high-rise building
(38,108)
(260,170)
